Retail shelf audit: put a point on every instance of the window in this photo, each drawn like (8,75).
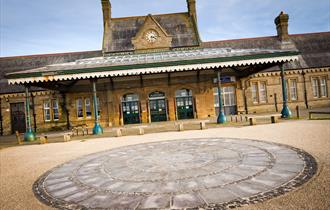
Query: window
(88,107)
(293,89)
(47,115)
(80,108)
(254,90)
(51,110)
(228,96)
(319,87)
(323,87)
(55,110)
(262,92)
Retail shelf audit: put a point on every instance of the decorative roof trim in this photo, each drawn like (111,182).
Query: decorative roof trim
(150,68)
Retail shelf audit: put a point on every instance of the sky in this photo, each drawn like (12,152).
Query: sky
(53,26)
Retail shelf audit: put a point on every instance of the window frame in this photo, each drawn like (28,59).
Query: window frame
(261,91)
(49,110)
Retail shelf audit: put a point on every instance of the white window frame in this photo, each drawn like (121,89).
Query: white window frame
(323,87)
(55,108)
(293,89)
(47,109)
(315,87)
(262,92)
(254,91)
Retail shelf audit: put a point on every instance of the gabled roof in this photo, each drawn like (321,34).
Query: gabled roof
(179,25)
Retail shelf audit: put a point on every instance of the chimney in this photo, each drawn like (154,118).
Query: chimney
(192,9)
(107,35)
(282,23)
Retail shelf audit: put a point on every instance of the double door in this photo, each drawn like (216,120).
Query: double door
(158,110)
(131,112)
(185,108)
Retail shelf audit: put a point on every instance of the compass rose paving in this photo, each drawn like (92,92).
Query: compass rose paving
(188,173)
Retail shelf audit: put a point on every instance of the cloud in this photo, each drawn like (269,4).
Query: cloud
(39,26)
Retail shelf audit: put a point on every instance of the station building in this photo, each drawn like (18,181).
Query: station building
(156,68)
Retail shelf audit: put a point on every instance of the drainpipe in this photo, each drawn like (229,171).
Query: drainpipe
(305,89)
(97,130)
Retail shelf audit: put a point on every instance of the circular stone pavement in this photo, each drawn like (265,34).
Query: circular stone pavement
(195,173)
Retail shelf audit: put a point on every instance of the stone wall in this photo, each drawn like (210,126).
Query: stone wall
(110,95)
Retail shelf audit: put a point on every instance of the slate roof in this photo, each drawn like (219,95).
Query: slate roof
(20,63)
(179,25)
(314,48)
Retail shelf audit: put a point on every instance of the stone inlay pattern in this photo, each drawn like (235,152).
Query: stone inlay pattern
(214,173)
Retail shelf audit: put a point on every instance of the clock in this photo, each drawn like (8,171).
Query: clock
(151,36)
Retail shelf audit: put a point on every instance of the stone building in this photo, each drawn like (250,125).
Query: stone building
(156,68)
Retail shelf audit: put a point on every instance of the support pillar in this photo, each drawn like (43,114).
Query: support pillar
(29,134)
(221,117)
(97,130)
(286,113)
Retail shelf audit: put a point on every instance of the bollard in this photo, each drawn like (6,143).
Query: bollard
(231,118)
(18,138)
(253,121)
(236,119)
(274,119)
(298,111)
(118,133)
(141,131)
(241,118)
(202,125)
(180,127)
(66,137)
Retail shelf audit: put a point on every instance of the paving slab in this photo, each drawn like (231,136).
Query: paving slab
(188,173)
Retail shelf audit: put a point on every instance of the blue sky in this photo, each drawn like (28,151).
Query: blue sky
(52,26)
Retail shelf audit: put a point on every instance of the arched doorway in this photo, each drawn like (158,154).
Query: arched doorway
(184,104)
(157,106)
(131,109)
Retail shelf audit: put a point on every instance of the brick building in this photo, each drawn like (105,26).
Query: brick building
(156,68)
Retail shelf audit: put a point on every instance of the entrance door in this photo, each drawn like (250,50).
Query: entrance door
(131,109)
(229,100)
(17,117)
(158,109)
(184,104)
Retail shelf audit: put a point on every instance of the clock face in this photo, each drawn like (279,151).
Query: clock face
(151,36)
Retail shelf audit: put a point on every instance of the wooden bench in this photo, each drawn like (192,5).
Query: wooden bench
(317,112)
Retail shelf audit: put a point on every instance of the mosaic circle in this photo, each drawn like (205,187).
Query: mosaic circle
(192,173)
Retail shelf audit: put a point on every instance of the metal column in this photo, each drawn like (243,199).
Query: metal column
(29,134)
(97,130)
(286,113)
(221,117)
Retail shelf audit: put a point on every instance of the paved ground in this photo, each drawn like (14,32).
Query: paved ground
(21,166)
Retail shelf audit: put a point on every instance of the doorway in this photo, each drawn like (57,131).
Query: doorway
(131,109)
(184,104)
(17,113)
(158,107)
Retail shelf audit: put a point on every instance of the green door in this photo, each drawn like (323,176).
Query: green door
(185,109)
(131,112)
(158,110)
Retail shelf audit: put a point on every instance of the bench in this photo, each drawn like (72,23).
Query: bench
(273,118)
(317,112)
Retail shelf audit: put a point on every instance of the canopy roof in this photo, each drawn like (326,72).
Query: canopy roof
(151,63)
